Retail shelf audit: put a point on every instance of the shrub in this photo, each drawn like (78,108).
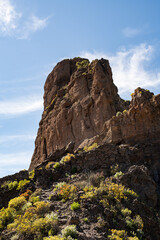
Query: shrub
(26,194)
(41,226)
(56,165)
(33,199)
(42,207)
(6,216)
(27,205)
(65,191)
(69,231)
(117,234)
(114,169)
(10,185)
(118,174)
(90,192)
(75,206)
(22,184)
(49,164)
(125,111)
(118,114)
(67,158)
(58,186)
(17,203)
(82,64)
(85,220)
(31,174)
(89,148)
(126,212)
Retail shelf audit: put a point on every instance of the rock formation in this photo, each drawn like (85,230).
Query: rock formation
(82,106)
(79,97)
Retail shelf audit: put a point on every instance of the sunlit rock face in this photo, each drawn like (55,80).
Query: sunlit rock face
(79,97)
(82,106)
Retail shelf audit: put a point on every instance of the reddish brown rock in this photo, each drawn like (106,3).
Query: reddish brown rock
(79,97)
(82,106)
(139,124)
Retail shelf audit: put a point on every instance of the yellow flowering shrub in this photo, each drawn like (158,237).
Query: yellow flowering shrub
(22,184)
(42,207)
(17,203)
(66,191)
(117,234)
(88,148)
(6,216)
(67,158)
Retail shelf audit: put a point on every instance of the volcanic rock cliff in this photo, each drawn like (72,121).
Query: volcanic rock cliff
(82,107)
(79,97)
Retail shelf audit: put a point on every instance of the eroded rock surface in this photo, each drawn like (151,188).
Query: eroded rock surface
(79,97)
(82,107)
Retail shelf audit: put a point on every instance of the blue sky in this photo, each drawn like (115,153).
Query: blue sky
(35,35)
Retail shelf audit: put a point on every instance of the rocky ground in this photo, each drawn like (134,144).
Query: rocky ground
(114,195)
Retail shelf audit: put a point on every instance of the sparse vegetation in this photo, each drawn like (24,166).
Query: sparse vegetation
(75,206)
(118,114)
(89,148)
(82,64)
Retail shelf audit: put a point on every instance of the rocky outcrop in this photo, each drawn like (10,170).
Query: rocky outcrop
(82,107)
(139,124)
(79,97)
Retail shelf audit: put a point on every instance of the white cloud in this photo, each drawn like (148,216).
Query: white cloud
(129,67)
(20,106)
(4,139)
(12,23)
(8,16)
(14,162)
(32,25)
(131,32)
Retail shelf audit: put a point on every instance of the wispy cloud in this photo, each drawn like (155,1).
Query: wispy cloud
(4,139)
(20,106)
(131,32)
(11,163)
(32,25)
(130,67)
(12,23)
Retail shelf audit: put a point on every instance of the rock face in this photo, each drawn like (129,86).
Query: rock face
(79,97)
(139,124)
(82,106)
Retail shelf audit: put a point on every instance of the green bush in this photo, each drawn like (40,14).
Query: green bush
(33,199)
(75,206)
(10,185)
(32,174)
(118,174)
(22,184)
(126,212)
(82,64)
(56,165)
(69,231)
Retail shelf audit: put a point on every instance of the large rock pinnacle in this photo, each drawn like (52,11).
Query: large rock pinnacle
(79,97)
